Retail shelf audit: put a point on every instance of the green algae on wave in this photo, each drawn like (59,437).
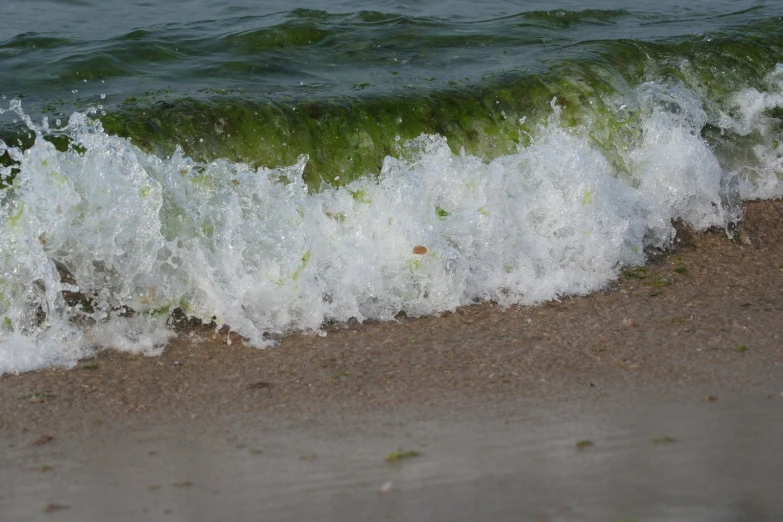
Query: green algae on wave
(350,137)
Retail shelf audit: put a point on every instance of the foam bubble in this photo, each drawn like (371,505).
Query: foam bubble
(750,115)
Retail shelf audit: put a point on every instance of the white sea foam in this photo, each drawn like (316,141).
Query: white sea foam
(265,256)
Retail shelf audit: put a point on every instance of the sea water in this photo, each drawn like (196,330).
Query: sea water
(273,169)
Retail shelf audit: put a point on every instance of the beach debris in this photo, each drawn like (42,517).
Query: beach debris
(419,250)
(396,456)
(584,444)
(628,322)
(37,397)
(180,485)
(658,282)
(260,385)
(663,440)
(43,468)
(740,349)
(341,375)
(709,398)
(386,487)
(43,439)
(54,508)
(682,270)
(639,272)
(91,366)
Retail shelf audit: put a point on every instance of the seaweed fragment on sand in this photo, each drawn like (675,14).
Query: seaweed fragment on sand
(396,456)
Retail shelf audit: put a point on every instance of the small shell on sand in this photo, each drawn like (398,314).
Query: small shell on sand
(420,250)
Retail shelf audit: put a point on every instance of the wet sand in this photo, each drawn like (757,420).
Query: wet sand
(496,401)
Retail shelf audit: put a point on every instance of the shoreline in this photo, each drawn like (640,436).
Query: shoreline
(688,348)
(710,311)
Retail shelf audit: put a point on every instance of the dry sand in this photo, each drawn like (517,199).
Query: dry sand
(495,400)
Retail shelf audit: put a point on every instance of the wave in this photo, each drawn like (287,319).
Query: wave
(102,240)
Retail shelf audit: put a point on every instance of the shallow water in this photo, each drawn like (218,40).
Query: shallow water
(271,169)
(690,462)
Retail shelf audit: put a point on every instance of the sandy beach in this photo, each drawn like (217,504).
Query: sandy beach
(659,398)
